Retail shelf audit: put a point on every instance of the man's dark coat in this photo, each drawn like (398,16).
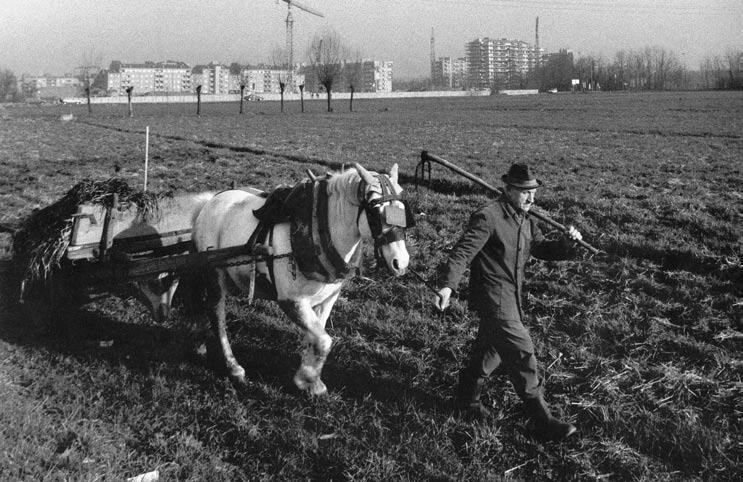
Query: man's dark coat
(497,244)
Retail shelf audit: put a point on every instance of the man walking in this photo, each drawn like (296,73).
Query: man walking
(497,243)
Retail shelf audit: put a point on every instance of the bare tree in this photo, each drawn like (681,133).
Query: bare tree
(242,91)
(88,70)
(353,71)
(8,85)
(718,65)
(734,59)
(238,72)
(652,68)
(637,65)
(326,53)
(558,71)
(198,100)
(129,91)
(279,59)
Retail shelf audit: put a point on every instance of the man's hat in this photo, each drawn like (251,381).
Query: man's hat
(521,177)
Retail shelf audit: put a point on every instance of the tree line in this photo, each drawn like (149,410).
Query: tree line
(650,68)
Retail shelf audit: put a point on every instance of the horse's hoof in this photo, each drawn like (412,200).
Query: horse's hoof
(318,389)
(311,387)
(301,382)
(237,377)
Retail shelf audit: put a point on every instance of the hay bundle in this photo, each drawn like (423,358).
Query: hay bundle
(40,243)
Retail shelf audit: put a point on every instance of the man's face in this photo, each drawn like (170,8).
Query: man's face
(522,199)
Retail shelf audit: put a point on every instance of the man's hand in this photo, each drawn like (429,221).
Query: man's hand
(442,300)
(574,234)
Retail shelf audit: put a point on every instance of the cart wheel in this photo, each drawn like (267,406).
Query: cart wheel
(49,308)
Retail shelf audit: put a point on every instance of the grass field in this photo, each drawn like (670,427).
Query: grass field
(640,346)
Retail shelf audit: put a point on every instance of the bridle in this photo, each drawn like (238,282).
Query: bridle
(398,219)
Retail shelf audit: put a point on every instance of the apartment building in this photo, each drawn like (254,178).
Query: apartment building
(161,78)
(263,80)
(499,63)
(449,73)
(50,86)
(40,82)
(213,78)
(380,72)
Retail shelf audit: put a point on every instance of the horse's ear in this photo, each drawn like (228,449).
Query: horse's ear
(393,173)
(365,175)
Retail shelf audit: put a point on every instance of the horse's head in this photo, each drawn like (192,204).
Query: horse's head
(387,216)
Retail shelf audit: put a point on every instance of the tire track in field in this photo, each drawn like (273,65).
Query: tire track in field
(649,132)
(302,159)
(297,158)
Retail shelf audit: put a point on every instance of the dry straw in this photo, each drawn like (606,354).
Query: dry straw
(40,243)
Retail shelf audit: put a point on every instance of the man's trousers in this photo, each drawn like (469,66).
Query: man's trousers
(500,342)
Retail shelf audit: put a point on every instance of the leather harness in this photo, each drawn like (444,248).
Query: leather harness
(305,207)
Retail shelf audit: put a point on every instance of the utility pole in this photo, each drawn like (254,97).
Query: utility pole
(536,43)
(289,51)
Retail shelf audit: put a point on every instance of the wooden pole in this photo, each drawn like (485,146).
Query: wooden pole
(146,154)
(425,156)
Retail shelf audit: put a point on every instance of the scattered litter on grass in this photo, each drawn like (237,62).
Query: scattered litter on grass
(513,469)
(729,335)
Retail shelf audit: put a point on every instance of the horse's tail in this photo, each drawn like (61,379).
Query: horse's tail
(191,288)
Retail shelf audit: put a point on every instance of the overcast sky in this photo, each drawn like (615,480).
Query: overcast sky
(54,36)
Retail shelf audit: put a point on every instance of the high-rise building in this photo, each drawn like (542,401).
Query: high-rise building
(378,74)
(500,63)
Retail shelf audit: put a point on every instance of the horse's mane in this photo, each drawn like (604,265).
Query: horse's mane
(343,183)
(346,183)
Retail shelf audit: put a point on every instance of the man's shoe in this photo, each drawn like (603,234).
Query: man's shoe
(545,424)
(555,429)
(468,396)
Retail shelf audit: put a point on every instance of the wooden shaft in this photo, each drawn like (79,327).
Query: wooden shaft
(425,156)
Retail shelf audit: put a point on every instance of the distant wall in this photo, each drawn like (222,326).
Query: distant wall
(56,93)
(518,92)
(153,99)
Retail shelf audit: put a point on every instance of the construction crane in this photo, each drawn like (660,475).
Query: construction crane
(290,35)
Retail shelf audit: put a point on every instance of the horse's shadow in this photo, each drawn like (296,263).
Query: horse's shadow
(262,350)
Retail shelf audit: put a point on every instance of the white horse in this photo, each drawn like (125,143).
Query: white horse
(360,204)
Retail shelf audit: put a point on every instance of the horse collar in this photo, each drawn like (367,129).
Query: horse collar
(316,256)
